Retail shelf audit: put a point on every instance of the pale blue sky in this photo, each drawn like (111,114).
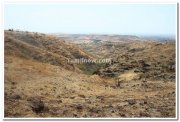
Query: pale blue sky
(139,19)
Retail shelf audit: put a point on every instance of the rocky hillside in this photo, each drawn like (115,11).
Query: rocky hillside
(42,48)
(89,38)
(153,60)
(39,82)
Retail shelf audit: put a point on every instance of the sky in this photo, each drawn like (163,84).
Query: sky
(83,18)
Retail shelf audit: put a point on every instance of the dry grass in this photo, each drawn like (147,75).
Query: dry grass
(40,89)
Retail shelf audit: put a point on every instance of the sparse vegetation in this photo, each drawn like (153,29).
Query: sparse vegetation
(39,82)
(91,68)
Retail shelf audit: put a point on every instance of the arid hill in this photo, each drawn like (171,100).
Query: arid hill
(39,82)
(42,48)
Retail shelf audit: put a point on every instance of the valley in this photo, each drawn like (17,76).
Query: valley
(39,81)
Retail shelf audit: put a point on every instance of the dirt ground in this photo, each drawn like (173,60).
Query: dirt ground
(62,93)
(39,82)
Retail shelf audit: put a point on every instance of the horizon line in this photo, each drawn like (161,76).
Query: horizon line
(95,33)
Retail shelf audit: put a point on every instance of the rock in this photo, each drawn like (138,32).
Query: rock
(142,63)
(144,114)
(137,70)
(100,97)
(82,96)
(131,102)
(72,97)
(13,83)
(94,110)
(16,97)
(79,107)
(37,104)
(144,81)
(109,72)
(75,115)
(145,102)
(122,115)
(59,101)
